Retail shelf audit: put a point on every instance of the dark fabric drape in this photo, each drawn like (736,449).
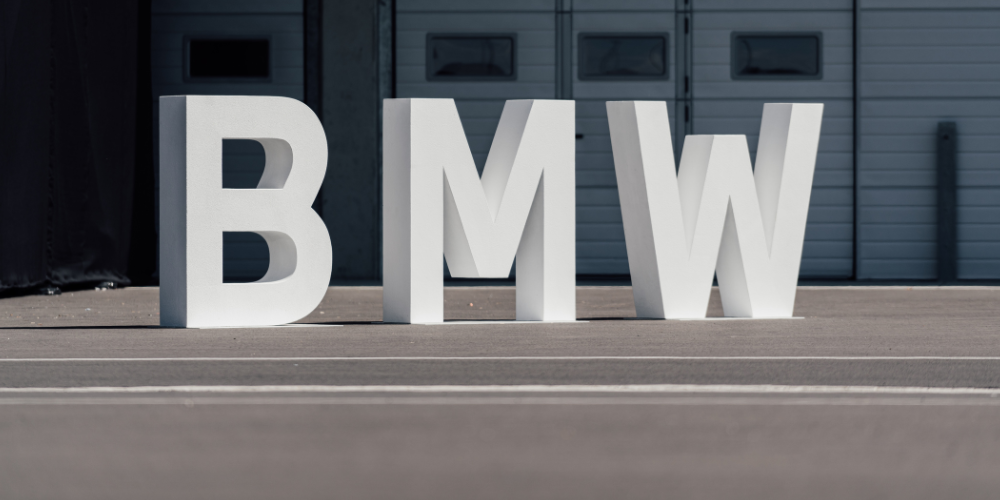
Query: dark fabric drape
(68,102)
(142,247)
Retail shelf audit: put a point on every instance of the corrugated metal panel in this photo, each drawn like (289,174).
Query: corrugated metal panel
(919,67)
(776,5)
(246,255)
(926,4)
(726,106)
(620,22)
(479,103)
(453,6)
(621,5)
(712,54)
(600,234)
(930,53)
(226,7)
(535,54)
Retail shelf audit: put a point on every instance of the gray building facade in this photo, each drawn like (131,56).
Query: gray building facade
(894,198)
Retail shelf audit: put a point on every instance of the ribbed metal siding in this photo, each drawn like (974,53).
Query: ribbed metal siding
(246,255)
(726,106)
(479,103)
(600,247)
(923,62)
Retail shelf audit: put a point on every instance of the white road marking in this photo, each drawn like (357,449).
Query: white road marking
(727,318)
(509,358)
(287,325)
(936,288)
(453,322)
(759,389)
(474,401)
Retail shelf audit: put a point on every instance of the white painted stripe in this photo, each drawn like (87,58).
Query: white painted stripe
(453,322)
(476,401)
(509,389)
(288,325)
(510,358)
(956,288)
(860,286)
(726,318)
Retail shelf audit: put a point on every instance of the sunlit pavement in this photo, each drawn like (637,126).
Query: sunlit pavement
(874,393)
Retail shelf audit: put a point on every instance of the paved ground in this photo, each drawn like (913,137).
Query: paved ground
(876,393)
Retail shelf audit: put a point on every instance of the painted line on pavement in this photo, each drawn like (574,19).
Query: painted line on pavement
(506,401)
(507,389)
(511,358)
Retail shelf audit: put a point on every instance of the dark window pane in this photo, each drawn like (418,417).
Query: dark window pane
(776,56)
(228,58)
(622,57)
(245,257)
(470,57)
(242,163)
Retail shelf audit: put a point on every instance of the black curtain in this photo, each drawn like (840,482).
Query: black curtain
(70,142)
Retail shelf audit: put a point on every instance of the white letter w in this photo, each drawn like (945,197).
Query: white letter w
(716,214)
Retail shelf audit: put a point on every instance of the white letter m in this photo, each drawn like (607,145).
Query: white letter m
(434,202)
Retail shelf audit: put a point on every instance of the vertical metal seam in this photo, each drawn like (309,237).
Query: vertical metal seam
(312,20)
(564,49)
(689,67)
(390,88)
(684,94)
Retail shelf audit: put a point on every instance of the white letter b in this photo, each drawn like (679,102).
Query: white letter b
(195,210)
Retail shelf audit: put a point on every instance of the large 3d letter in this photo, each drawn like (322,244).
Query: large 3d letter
(435,202)
(195,210)
(716,214)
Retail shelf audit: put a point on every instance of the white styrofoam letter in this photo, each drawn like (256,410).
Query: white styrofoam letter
(716,214)
(434,202)
(195,210)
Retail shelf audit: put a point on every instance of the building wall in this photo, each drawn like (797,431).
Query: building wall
(246,254)
(600,233)
(723,105)
(922,62)
(918,63)
(351,89)
(720,104)
(479,103)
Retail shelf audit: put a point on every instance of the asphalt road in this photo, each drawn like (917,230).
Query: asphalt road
(875,393)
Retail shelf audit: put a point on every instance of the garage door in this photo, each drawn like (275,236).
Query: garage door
(621,51)
(748,53)
(478,52)
(221,47)
(594,51)
(921,66)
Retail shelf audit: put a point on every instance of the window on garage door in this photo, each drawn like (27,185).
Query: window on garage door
(471,57)
(632,56)
(777,56)
(227,60)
